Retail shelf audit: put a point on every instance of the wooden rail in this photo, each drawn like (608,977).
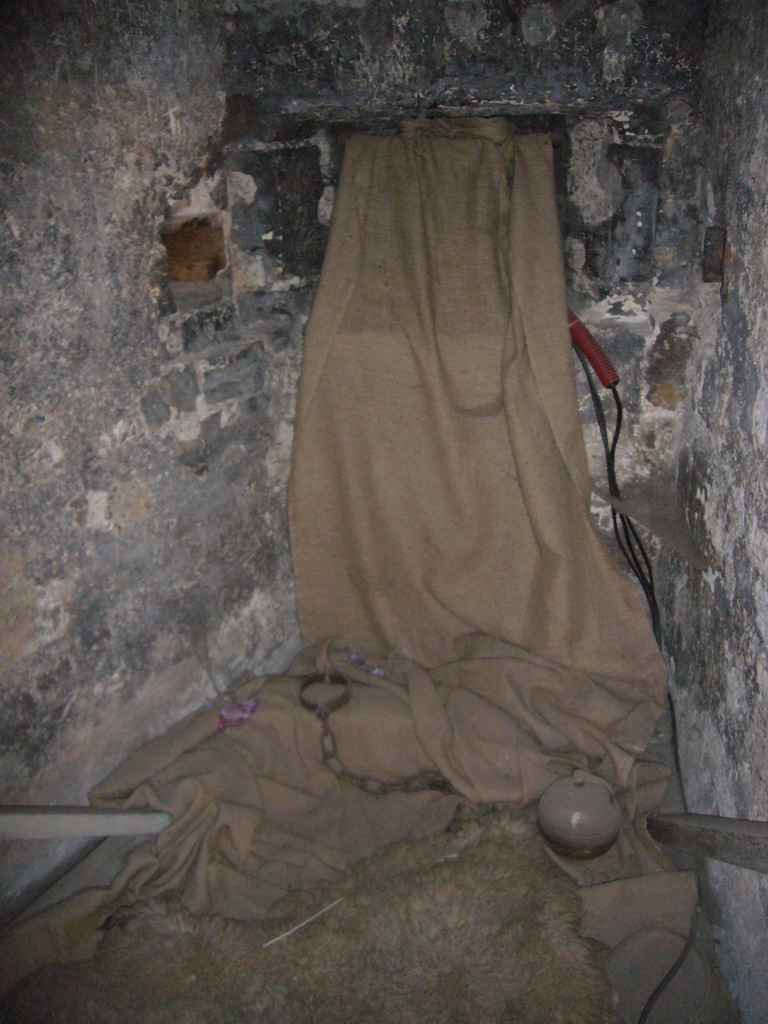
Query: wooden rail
(737,841)
(57,822)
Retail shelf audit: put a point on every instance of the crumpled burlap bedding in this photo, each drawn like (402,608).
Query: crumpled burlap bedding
(440,530)
(422,932)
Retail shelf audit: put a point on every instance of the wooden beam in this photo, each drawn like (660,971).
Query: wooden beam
(57,822)
(733,840)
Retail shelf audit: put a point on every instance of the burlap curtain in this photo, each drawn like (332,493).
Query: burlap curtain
(439,486)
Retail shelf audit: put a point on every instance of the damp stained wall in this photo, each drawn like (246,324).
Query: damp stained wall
(148,418)
(143,544)
(718,619)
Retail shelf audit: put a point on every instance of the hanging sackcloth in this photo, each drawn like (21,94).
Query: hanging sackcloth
(439,490)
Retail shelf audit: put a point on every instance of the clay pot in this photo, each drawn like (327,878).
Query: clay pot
(578,815)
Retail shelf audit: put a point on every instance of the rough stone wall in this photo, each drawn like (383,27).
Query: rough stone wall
(719,617)
(145,559)
(358,58)
(632,259)
(144,545)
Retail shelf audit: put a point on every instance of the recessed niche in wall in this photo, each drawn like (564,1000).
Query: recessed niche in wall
(196,255)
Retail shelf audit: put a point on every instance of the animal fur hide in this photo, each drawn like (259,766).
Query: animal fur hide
(474,924)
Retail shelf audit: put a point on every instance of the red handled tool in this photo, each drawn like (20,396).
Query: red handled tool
(586,343)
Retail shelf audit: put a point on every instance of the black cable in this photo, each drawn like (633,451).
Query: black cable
(613,486)
(630,533)
(653,997)
(629,546)
(627,537)
(627,543)
(629,524)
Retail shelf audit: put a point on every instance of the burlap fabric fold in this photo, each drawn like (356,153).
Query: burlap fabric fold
(256,813)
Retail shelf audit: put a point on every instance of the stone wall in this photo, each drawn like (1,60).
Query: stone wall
(719,617)
(144,542)
(149,410)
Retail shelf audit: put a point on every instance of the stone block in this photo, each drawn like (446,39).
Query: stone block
(466,20)
(179,389)
(622,249)
(539,24)
(237,377)
(282,220)
(209,327)
(618,22)
(155,408)
(668,360)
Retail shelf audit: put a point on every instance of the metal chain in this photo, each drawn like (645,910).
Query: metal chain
(428,779)
(424,780)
